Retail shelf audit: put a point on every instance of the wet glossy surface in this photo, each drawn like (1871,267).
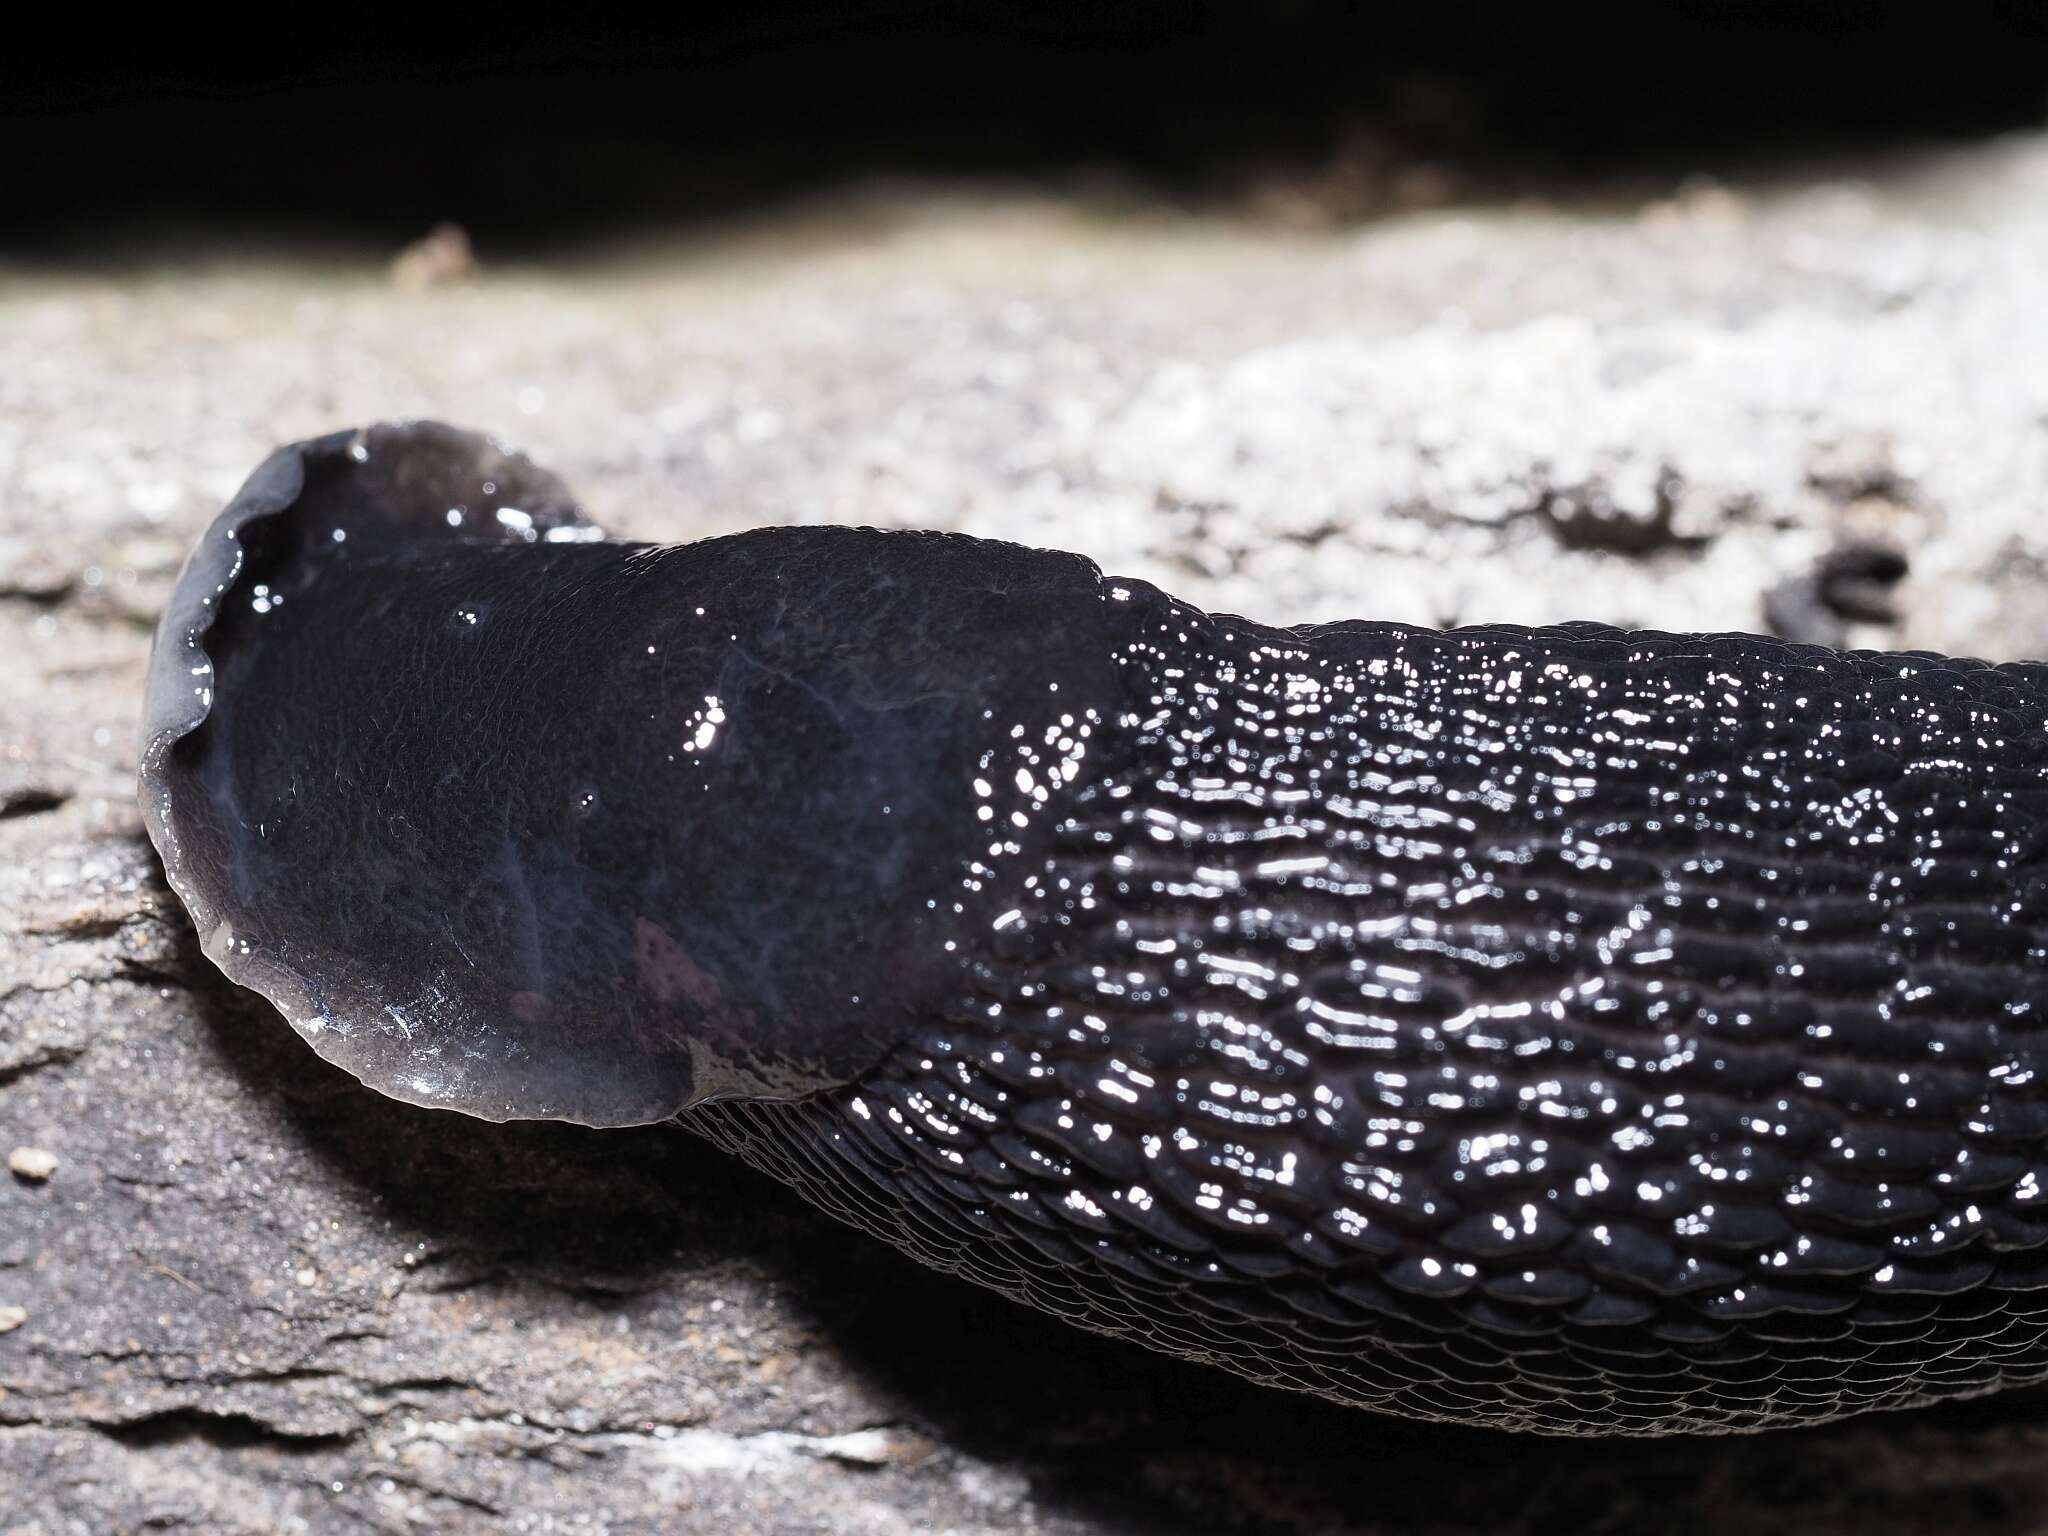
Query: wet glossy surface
(1565,1030)
(1556,1029)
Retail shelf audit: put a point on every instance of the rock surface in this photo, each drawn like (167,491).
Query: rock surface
(251,1297)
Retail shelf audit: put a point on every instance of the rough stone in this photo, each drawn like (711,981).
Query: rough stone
(260,1299)
(34,1164)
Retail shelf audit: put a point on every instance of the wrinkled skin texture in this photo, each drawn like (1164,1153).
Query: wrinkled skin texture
(1566,1030)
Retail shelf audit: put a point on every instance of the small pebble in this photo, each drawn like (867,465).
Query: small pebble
(12,1318)
(441,256)
(34,1164)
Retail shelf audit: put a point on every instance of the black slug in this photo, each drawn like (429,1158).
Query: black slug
(1562,1029)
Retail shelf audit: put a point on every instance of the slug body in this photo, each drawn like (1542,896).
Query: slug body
(1568,1029)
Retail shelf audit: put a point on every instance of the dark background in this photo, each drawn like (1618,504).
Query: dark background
(535,131)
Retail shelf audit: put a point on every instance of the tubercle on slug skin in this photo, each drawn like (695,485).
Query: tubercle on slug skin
(1562,1029)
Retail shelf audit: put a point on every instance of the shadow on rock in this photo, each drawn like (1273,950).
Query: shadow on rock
(1165,1445)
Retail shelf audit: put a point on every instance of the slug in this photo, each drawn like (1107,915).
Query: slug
(1565,1029)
